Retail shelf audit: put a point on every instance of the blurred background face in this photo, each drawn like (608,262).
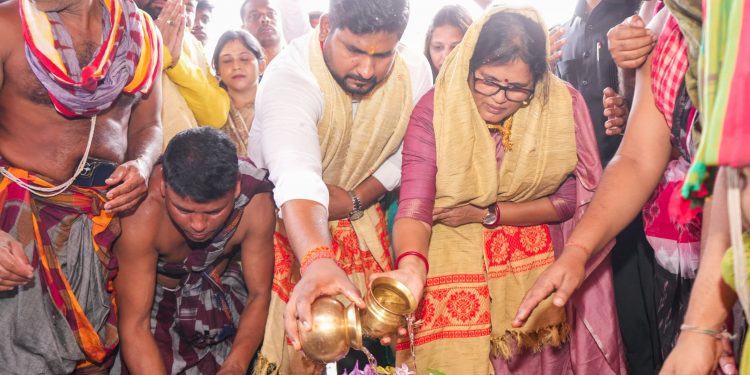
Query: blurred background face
(444,39)
(189,13)
(202,18)
(238,67)
(261,20)
(496,108)
(314,18)
(154,7)
(226,16)
(359,62)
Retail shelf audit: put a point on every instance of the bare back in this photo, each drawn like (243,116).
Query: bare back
(33,135)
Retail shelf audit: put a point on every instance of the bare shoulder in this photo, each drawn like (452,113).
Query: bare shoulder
(259,215)
(145,219)
(9,15)
(10,28)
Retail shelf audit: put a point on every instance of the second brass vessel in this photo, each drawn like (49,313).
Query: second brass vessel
(335,328)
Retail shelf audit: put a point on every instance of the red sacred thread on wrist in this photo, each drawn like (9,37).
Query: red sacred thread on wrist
(576,244)
(416,254)
(320,252)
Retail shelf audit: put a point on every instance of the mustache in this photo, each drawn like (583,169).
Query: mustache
(359,78)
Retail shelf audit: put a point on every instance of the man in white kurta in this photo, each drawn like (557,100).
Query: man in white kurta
(332,110)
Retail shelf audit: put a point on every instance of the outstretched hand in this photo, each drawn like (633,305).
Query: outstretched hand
(413,274)
(560,280)
(322,278)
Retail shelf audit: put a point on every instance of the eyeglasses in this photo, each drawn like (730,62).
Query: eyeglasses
(512,92)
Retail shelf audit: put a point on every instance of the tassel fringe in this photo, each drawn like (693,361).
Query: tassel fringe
(554,336)
(263,366)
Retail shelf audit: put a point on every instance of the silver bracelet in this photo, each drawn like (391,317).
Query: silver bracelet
(719,335)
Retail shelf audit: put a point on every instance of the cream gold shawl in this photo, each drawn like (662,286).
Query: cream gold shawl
(462,260)
(353,147)
(543,136)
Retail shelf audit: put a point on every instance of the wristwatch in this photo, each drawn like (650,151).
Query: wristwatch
(357,211)
(491,219)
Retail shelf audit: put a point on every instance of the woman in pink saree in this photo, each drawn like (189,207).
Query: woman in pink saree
(500,161)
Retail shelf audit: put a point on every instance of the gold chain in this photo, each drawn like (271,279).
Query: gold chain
(505,129)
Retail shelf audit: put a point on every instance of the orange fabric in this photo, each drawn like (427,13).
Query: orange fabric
(357,262)
(88,201)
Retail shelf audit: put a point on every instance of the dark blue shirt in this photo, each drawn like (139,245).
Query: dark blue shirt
(587,64)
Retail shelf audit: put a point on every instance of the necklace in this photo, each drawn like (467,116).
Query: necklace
(504,129)
(238,129)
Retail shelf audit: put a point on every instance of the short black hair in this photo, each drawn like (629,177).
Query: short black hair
(314,15)
(200,164)
(204,4)
(507,37)
(243,7)
(369,16)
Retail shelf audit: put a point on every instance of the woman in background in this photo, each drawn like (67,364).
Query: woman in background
(238,60)
(445,32)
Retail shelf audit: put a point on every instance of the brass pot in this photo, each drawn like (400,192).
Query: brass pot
(388,303)
(334,329)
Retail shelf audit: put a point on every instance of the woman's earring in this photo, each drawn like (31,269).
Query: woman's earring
(525,103)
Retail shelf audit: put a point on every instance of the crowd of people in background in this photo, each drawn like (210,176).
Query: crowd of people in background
(569,199)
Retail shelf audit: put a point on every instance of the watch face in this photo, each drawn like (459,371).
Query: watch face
(489,219)
(356,215)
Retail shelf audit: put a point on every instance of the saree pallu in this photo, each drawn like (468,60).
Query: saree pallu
(65,318)
(277,355)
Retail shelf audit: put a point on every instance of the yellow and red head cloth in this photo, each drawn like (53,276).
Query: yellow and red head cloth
(127,61)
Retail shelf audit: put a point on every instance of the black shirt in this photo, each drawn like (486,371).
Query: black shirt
(587,64)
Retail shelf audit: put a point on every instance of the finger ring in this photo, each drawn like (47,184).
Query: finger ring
(170,22)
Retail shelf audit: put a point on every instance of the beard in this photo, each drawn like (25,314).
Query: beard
(361,87)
